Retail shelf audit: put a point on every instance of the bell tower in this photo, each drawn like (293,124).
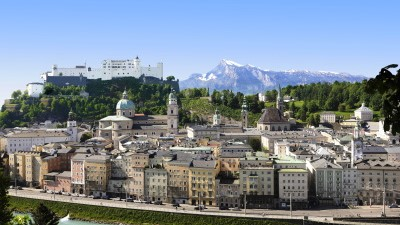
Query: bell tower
(279,100)
(172,113)
(244,113)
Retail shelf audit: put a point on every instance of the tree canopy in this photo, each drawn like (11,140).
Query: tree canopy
(388,85)
(5,210)
(43,215)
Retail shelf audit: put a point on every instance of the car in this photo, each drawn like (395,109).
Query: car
(106,197)
(42,191)
(75,194)
(394,206)
(222,207)
(96,197)
(66,193)
(82,195)
(148,202)
(176,205)
(200,207)
(158,203)
(19,187)
(236,209)
(50,192)
(11,187)
(129,200)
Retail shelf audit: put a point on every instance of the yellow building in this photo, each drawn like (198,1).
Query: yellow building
(97,174)
(202,181)
(25,168)
(136,162)
(178,167)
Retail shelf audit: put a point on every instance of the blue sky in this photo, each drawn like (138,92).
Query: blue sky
(358,37)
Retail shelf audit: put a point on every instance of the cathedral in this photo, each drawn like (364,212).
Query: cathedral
(272,119)
(126,122)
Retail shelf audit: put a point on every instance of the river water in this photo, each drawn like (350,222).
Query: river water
(67,221)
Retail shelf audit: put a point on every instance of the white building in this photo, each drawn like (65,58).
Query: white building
(293,185)
(34,89)
(364,113)
(327,117)
(24,139)
(109,69)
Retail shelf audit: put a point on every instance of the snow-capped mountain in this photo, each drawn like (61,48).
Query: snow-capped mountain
(249,79)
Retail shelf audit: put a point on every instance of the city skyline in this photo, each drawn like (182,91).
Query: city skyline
(192,37)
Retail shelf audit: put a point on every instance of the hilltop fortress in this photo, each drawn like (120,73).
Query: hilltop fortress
(109,69)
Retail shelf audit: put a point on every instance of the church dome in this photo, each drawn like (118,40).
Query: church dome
(125,103)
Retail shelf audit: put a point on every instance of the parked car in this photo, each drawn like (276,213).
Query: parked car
(236,209)
(96,197)
(82,195)
(394,206)
(200,207)
(66,193)
(129,200)
(139,201)
(19,187)
(223,207)
(42,191)
(176,205)
(158,203)
(75,194)
(148,202)
(106,197)
(50,192)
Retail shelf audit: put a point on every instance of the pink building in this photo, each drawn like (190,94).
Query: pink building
(58,182)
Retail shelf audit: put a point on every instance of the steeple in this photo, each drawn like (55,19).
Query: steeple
(279,100)
(125,94)
(172,113)
(244,113)
(217,118)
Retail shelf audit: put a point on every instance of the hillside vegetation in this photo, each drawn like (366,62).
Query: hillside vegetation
(197,104)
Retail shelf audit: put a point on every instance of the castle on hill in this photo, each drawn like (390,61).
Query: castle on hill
(109,69)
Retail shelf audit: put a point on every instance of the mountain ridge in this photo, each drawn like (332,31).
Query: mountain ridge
(250,79)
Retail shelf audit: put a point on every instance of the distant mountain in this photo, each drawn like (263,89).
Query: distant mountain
(249,79)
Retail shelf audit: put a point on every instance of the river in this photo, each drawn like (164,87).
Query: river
(67,221)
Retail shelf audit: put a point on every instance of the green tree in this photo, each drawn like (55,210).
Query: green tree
(21,220)
(342,107)
(5,210)
(255,144)
(388,85)
(85,136)
(44,216)
(170,78)
(16,94)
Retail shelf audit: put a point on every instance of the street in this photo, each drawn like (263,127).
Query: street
(313,214)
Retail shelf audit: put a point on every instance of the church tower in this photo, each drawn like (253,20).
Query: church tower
(279,100)
(72,129)
(244,113)
(356,145)
(172,113)
(217,118)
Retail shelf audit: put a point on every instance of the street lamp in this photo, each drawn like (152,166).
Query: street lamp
(290,203)
(245,201)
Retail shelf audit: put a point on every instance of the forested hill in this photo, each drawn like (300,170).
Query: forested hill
(56,102)
(196,104)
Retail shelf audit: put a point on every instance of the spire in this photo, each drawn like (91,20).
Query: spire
(279,97)
(70,115)
(244,104)
(125,94)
